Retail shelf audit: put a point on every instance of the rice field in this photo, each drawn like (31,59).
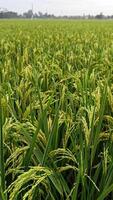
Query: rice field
(56,110)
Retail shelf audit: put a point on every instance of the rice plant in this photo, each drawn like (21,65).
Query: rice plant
(56,110)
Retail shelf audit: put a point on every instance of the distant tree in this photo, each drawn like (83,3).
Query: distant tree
(100,16)
(40,14)
(8,14)
(28,14)
(35,15)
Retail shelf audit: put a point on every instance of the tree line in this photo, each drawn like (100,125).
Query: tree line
(29,15)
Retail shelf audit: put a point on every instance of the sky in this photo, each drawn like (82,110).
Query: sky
(60,7)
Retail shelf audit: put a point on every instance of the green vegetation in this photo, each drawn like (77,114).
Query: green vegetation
(56,110)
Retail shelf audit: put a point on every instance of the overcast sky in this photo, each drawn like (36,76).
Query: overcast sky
(60,7)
